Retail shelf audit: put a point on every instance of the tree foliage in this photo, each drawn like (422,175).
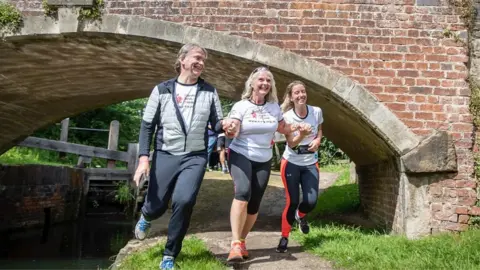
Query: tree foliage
(129,114)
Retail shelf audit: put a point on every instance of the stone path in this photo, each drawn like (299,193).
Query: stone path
(211,223)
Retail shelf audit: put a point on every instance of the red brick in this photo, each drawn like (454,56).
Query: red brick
(300,5)
(413,123)
(466,184)
(408,73)
(325,6)
(475,211)
(437,207)
(462,210)
(466,193)
(467,201)
(463,127)
(414,57)
(463,219)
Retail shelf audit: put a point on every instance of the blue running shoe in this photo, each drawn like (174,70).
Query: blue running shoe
(142,228)
(167,263)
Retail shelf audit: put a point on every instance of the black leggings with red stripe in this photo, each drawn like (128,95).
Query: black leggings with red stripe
(294,176)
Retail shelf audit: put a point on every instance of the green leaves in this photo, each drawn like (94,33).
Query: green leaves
(10,18)
(94,12)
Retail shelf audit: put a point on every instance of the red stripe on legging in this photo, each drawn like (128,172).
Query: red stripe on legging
(286,228)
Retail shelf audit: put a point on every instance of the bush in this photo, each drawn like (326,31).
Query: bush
(10,18)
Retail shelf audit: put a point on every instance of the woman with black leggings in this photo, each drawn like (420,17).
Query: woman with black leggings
(299,166)
(256,118)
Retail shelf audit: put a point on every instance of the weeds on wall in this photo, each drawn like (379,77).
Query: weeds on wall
(85,13)
(468,13)
(48,10)
(10,19)
(94,12)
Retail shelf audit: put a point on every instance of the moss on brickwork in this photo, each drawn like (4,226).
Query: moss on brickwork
(475,100)
(10,18)
(94,12)
(467,11)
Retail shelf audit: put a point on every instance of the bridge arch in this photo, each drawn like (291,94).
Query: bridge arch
(70,66)
(53,69)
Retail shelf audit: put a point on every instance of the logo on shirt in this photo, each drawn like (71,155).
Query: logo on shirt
(254,114)
(179,99)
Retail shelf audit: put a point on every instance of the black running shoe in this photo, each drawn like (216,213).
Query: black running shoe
(282,246)
(302,223)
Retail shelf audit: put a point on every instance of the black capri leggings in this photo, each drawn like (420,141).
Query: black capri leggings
(250,179)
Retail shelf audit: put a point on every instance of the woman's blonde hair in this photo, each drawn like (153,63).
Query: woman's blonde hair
(184,51)
(287,98)
(272,94)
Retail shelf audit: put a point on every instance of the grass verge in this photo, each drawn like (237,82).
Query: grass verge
(341,197)
(194,255)
(354,248)
(25,155)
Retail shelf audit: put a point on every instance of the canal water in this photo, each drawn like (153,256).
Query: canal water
(91,242)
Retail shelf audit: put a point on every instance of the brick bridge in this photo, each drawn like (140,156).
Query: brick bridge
(392,86)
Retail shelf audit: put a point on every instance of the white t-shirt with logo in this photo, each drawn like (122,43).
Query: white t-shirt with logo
(258,125)
(185,97)
(314,118)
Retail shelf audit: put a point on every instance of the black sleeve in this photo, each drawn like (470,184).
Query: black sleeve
(216,114)
(150,119)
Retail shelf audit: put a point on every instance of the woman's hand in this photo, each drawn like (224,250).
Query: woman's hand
(314,145)
(305,129)
(231,127)
(142,169)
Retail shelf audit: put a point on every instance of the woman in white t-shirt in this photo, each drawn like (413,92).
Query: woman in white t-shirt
(256,118)
(299,165)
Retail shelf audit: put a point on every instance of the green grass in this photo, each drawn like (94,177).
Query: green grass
(341,196)
(24,155)
(353,248)
(194,255)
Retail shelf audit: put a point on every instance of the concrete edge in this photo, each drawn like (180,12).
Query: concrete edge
(435,153)
(355,96)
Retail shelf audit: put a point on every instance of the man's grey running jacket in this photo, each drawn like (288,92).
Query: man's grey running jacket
(162,113)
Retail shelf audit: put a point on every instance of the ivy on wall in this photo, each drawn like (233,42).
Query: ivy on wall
(10,18)
(93,12)
(468,13)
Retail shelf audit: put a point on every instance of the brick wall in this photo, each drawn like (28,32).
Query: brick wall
(379,187)
(27,192)
(396,49)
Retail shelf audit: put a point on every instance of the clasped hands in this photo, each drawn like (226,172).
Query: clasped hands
(230,127)
(305,130)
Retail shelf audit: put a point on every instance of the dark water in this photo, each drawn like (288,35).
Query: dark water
(89,243)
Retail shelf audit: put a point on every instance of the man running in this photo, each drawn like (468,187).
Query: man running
(179,110)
